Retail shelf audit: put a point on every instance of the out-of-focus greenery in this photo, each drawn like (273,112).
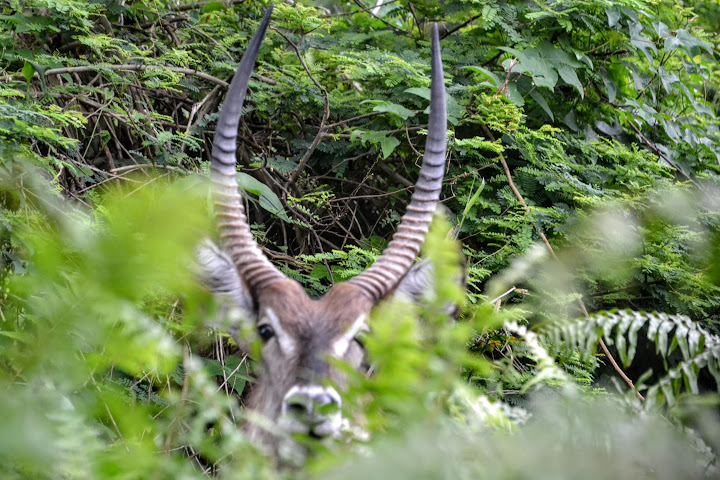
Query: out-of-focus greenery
(603,112)
(94,385)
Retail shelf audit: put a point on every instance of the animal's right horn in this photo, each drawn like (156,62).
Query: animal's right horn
(237,239)
(385,274)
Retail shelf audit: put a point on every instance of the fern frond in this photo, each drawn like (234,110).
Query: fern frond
(700,349)
(547,370)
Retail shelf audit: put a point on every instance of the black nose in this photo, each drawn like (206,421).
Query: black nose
(311,404)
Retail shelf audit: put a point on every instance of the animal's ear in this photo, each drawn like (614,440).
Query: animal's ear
(218,273)
(418,286)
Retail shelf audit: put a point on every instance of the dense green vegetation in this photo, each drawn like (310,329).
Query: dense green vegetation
(584,180)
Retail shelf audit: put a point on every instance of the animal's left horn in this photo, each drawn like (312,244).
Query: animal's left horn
(384,275)
(235,232)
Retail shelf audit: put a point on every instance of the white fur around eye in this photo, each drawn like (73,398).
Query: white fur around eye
(341,344)
(286,342)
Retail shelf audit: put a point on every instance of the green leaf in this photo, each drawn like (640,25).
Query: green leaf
(691,378)
(514,96)
(232,370)
(557,56)
(212,7)
(388,144)
(569,76)
(15,335)
(714,370)
(661,29)
(474,198)
(672,130)
(692,44)
(703,109)
(610,85)
(667,390)
(394,108)
(671,43)
(496,80)
(422,92)
(28,71)
(543,72)
(642,42)
(455,112)
(478,143)
(540,100)
(471,203)
(613,16)
(640,81)
(571,121)
(667,79)
(267,198)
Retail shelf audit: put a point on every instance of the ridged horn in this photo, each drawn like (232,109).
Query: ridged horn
(384,275)
(235,234)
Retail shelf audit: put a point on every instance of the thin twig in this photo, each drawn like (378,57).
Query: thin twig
(369,11)
(347,160)
(326,113)
(398,178)
(146,165)
(366,197)
(366,9)
(353,119)
(199,106)
(657,152)
(462,25)
(132,67)
(407,135)
(500,297)
(346,136)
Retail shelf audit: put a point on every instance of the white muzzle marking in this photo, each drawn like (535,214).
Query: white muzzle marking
(312,410)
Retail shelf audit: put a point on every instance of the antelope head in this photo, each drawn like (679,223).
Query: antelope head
(301,335)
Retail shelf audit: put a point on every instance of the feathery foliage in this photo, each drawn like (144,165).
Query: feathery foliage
(588,124)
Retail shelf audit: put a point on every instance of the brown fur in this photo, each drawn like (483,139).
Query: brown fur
(311,327)
(314,325)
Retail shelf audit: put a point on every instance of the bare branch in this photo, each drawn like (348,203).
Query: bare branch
(369,10)
(326,113)
(136,68)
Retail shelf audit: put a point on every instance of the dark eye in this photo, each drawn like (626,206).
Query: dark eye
(360,339)
(266,332)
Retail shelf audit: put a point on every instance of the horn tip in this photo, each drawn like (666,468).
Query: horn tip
(266,18)
(435,45)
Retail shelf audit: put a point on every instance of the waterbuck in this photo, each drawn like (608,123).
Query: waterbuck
(299,334)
